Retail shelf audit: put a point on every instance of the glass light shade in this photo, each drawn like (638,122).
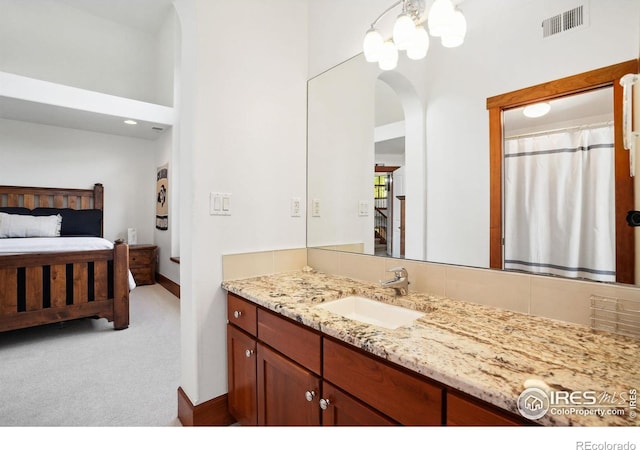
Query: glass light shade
(440,17)
(403,30)
(453,36)
(389,56)
(537,110)
(372,45)
(419,45)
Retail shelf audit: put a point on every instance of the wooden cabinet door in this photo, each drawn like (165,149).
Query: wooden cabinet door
(340,409)
(288,394)
(463,412)
(242,376)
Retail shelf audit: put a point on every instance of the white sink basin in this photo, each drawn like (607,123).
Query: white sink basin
(372,312)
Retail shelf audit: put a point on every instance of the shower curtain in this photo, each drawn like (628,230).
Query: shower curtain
(559,204)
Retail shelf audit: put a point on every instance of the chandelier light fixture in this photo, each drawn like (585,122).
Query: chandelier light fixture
(410,35)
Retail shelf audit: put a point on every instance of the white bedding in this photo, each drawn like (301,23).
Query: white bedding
(57,244)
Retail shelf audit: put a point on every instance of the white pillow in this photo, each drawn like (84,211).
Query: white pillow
(17,225)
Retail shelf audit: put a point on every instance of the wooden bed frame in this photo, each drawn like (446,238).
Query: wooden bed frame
(44,288)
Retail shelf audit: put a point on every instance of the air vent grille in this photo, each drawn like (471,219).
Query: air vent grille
(568,20)
(573,18)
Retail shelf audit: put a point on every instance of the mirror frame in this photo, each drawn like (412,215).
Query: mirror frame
(624,186)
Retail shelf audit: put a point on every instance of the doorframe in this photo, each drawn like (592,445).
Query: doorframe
(624,199)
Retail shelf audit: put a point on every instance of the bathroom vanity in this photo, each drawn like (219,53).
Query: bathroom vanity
(290,361)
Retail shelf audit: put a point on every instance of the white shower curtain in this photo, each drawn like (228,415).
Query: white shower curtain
(559,204)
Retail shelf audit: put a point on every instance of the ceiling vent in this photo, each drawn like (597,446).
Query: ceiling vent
(572,19)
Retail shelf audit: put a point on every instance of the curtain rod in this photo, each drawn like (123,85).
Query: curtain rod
(537,133)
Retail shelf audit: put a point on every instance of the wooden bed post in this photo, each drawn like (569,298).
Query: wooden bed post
(121,286)
(98,202)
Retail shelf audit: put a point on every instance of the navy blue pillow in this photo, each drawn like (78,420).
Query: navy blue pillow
(15,210)
(75,222)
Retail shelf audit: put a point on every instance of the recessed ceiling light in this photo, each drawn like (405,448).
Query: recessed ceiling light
(537,110)
(131,122)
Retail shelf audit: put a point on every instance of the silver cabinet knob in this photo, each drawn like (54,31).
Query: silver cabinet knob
(324,403)
(237,314)
(309,395)
(248,353)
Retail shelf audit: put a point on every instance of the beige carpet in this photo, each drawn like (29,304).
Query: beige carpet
(85,373)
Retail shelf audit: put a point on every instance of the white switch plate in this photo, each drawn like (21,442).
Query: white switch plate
(363,208)
(315,207)
(219,204)
(295,207)
(215,203)
(226,204)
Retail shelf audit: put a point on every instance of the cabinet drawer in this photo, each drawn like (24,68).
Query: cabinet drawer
(293,340)
(463,412)
(408,399)
(242,313)
(140,258)
(143,275)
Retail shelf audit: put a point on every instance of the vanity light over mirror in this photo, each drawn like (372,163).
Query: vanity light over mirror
(421,133)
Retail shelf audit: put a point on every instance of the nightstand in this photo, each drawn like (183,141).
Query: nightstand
(142,263)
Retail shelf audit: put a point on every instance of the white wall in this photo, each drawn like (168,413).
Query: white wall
(41,155)
(164,239)
(339,102)
(502,52)
(51,41)
(337,28)
(168,41)
(243,116)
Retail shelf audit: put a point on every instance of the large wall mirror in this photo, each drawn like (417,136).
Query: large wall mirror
(399,162)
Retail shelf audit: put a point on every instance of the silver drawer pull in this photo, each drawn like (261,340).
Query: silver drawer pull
(309,395)
(237,314)
(248,353)
(324,403)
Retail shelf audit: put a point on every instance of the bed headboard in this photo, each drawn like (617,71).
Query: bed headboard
(38,197)
(42,197)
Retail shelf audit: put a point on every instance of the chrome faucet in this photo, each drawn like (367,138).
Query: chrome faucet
(400,282)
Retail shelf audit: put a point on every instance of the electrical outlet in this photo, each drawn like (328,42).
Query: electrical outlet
(315,207)
(363,208)
(295,207)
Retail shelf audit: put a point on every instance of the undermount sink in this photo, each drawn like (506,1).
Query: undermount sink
(372,312)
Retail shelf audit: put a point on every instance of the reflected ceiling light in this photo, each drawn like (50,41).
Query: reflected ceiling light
(130,122)
(410,35)
(453,35)
(388,56)
(537,110)
(440,17)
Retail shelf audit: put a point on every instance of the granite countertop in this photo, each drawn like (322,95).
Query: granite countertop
(483,351)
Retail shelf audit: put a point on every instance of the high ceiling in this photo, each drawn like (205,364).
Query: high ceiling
(146,15)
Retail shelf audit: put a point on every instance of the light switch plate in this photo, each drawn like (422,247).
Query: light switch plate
(219,204)
(226,204)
